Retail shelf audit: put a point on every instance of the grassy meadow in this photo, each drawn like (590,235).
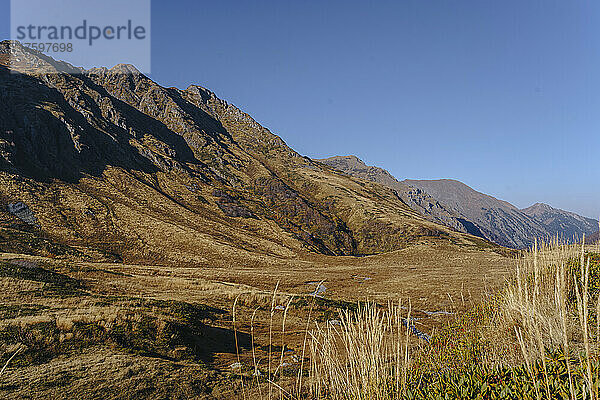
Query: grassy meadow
(82,330)
(537,338)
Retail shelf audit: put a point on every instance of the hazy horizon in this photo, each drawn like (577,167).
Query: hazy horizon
(500,96)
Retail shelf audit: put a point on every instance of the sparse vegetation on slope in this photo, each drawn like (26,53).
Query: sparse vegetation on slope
(120,165)
(538,339)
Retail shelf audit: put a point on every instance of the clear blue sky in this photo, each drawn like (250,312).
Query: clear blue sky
(502,95)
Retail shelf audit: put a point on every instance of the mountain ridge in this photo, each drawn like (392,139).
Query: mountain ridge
(491,218)
(415,198)
(110,159)
(565,224)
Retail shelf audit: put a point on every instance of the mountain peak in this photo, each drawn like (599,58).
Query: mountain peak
(349,159)
(557,221)
(19,58)
(352,165)
(25,60)
(125,69)
(415,198)
(540,207)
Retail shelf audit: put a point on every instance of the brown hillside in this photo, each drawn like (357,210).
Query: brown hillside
(111,160)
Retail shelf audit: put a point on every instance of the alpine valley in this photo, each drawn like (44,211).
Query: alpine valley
(152,237)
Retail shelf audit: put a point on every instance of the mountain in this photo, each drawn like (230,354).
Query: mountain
(108,160)
(415,198)
(562,223)
(456,205)
(354,166)
(137,222)
(453,204)
(500,221)
(594,238)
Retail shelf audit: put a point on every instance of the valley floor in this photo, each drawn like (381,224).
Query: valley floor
(110,330)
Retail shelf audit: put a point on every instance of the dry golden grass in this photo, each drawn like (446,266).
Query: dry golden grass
(323,348)
(366,356)
(281,341)
(549,306)
(536,298)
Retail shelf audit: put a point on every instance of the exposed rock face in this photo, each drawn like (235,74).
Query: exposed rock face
(415,198)
(456,205)
(21,211)
(500,221)
(109,158)
(565,224)
(503,223)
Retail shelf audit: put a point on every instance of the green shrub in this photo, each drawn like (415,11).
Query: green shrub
(521,382)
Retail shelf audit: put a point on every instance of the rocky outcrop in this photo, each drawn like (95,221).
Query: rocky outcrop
(23,212)
(564,224)
(417,199)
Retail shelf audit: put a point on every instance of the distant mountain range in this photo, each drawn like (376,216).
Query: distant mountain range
(457,205)
(412,196)
(560,222)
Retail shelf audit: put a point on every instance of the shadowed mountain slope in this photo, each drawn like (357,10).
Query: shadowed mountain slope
(109,159)
(415,198)
(458,206)
(565,224)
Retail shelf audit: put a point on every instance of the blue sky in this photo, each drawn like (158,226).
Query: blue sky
(502,95)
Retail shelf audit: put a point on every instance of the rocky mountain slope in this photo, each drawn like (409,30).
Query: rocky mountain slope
(499,220)
(458,206)
(562,223)
(107,159)
(504,223)
(415,198)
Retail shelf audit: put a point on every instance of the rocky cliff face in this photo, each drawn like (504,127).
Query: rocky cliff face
(457,206)
(417,199)
(108,158)
(500,221)
(565,224)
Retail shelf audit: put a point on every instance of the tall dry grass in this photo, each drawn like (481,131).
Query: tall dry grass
(552,307)
(537,301)
(365,356)
(549,306)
